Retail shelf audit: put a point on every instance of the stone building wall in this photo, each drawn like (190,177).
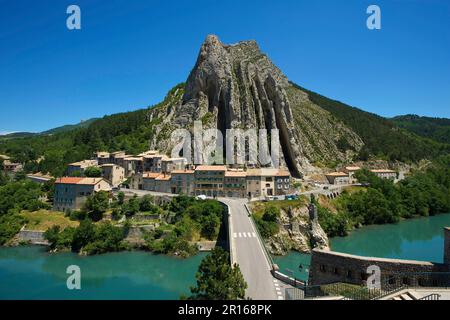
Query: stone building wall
(330,267)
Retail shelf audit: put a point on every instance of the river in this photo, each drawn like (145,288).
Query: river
(30,272)
(414,239)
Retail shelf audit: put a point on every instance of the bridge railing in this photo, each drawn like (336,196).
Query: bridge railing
(394,283)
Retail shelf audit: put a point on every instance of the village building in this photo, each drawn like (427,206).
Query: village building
(148,181)
(72,192)
(113,173)
(282,182)
(337,178)
(163,183)
(209,180)
(153,162)
(235,185)
(385,173)
(80,166)
(183,182)
(133,165)
(351,170)
(170,164)
(12,167)
(102,157)
(39,177)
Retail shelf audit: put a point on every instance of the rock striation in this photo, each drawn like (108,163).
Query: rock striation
(238,87)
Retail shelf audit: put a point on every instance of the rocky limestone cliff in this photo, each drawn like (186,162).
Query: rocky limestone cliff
(299,231)
(238,87)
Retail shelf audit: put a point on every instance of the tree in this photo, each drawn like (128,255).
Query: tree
(84,234)
(120,198)
(52,236)
(96,205)
(217,279)
(93,172)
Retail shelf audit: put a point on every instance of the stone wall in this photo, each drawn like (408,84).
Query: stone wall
(329,267)
(32,237)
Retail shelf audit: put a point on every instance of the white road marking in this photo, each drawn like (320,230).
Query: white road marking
(249,234)
(254,235)
(245,235)
(235,235)
(280,298)
(278,289)
(240,234)
(277,285)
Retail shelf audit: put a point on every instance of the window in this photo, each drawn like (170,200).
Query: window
(336,271)
(323,268)
(349,274)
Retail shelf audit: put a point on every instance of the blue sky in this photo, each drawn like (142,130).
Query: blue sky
(128,54)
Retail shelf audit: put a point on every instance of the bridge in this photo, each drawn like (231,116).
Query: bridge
(246,250)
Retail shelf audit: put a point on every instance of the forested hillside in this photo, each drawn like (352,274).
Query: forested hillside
(434,128)
(128,131)
(382,137)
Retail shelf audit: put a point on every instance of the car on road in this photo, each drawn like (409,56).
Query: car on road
(201,197)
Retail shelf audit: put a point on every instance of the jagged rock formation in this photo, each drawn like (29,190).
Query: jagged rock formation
(238,87)
(299,231)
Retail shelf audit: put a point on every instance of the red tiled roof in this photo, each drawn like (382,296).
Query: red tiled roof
(211,168)
(68,180)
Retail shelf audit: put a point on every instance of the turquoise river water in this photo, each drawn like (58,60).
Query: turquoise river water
(31,273)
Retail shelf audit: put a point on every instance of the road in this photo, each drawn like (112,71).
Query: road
(250,255)
(247,250)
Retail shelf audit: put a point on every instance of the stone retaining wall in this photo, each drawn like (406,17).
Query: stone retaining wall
(32,237)
(329,267)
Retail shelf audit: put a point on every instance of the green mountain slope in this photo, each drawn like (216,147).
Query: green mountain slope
(434,128)
(69,127)
(382,137)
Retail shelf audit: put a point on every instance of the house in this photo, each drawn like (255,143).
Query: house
(133,165)
(148,181)
(71,192)
(337,178)
(170,164)
(137,181)
(254,183)
(80,166)
(12,167)
(39,177)
(102,157)
(183,182)
(235,184)
(385,173)
(153,162)
(113,173)
(350,170)
(163,183)
(209,180)
(282,182)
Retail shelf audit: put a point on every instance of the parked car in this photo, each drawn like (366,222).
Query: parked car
(201,197)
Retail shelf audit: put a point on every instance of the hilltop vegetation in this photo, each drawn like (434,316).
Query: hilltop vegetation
(382,137)
(437,129)
(423,193)
(129,131)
